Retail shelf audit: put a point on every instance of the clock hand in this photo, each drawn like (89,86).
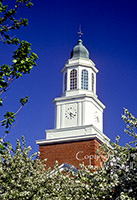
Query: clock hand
(70,114)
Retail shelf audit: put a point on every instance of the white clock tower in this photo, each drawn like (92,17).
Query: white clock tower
(79,105)
(78,112)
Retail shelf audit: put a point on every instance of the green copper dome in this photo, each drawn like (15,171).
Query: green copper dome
(79,51)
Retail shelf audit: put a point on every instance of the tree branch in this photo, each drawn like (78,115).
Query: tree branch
(12,115)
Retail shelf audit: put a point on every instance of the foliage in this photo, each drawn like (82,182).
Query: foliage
(24,177)
(21,175)
(23,59)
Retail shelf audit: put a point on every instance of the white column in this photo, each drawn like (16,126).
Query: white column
(95,83)
(68,79)
(79,114)
(89,79)
(78,78)
(63,82)
(55,117)
(62,114)
(58,116)
(83,112)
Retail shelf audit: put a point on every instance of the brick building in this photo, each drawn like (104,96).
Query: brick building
(78,115)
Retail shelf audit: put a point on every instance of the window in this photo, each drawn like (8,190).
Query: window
(64,167)
(92,81)
(84,79)
(73,79)
(65,82)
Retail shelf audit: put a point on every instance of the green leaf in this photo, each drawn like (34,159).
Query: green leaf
(23,101)
(2,146)
(14,60)
(1,102)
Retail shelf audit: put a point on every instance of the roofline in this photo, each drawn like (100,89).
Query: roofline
(60,99)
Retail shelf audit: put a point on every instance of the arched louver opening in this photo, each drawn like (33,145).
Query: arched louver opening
(84,79)
(73,79)
(92,81)
(65,82)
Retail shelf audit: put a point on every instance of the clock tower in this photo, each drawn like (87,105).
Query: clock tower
(78,115)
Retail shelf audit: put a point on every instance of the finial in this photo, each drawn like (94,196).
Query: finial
(80,32)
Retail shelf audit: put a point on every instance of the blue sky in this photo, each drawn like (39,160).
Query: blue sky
(109,33)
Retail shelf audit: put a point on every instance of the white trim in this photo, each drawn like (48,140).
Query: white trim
(79,96)
(86,132)
(80,62)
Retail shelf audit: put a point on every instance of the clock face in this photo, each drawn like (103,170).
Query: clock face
(70,112)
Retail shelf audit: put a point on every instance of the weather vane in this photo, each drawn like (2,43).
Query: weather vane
(80,32)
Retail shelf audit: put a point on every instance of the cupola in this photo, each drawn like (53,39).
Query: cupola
(80,51)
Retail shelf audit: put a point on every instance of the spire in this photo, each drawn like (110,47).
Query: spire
(80,51)
(80,32)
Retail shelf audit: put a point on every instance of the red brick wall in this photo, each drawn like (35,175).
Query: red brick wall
(72,153)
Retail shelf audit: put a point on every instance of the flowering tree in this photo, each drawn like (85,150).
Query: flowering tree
(117,179)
